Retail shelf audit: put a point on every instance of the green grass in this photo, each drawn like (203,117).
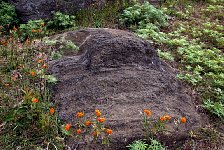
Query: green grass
(26,121)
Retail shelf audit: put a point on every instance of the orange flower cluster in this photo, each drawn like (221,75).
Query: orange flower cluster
(147,112)
(88,123)
(102,120)
(40,61)
(35,100)
(4,42)
(183,120)
(33,73)
(165,118)
(94,133)
(52,110)
(109,131)
(97,112)
(79,131)
(83,126)
(67,127)
(79,114)
(14,28)
(7,85)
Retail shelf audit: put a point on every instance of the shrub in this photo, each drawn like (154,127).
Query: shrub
(62,21)
(33,29)
(7,14)
(143,14)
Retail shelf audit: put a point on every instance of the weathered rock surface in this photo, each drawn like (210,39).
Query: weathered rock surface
(121,75)
(36,9)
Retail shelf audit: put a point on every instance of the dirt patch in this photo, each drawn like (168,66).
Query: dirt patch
(121,75)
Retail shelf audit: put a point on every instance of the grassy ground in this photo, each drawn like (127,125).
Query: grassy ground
(195,40)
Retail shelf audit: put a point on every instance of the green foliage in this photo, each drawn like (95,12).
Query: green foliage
(197,45)
(141,145)
(155,145)
(142,15)
(62,21)
(215,108)
(7,14)
(61,45)
(26,120)
(138,145)
(33,29)
(70,45)
(50,79)
(165,55)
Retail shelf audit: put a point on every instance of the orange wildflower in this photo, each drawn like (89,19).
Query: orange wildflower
(94,133)
(109,131)
(14,28)
(34,31)
(44,66)
(7,85)
(42,24)
(40,61)
(79,131)
(87,122)
(79,114)
(163,118)
(52,110)
(4,42)
(183,120)
(67,127)
(35,100)
(147,112)
(101,120)
(32,73)
(97,112)
(39,30)
(167,117)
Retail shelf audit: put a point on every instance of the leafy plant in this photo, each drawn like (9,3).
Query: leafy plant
(143,14)
(26,111)
(165,55)
(215,108)
(62,21)
(155,145)
(141,145)
(197,46)
(7,14)
(138,145)
(33,29)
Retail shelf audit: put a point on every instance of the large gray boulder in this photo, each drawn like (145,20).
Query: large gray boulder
(121,75)
(36,9)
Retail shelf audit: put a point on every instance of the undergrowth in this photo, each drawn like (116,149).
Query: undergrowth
(28,118)
(194,39)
